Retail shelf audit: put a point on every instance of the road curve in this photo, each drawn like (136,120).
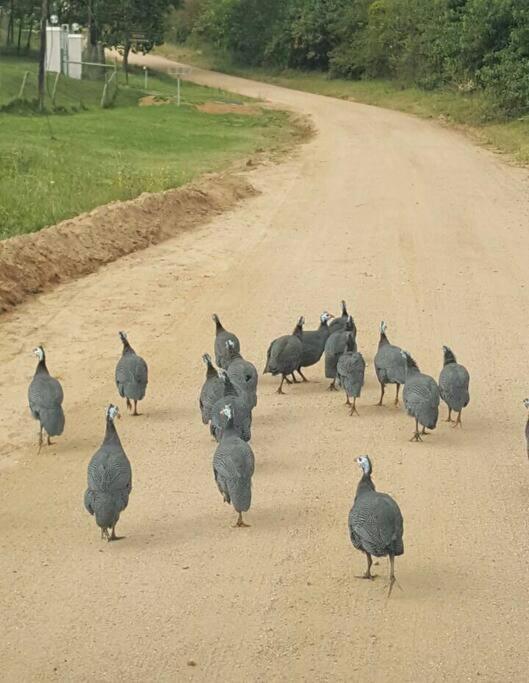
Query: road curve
(410,223)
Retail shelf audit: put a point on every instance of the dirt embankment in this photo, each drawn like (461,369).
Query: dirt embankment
(78,246)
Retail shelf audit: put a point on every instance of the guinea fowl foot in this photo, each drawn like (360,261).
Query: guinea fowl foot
(303,378)
(448,419)
(416,437)
(354,411)
(50,442)
(367,575)
(240,523)
(458,422)
(332,386)
(113,537)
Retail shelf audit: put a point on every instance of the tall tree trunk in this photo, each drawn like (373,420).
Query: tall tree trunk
(11,24)
(42,53)
(19,37)
(30,32)
(126,59)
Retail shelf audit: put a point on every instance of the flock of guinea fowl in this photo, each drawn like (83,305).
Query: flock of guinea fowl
(227,399)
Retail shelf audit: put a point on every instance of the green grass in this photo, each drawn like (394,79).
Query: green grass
(55,167)
(473,111)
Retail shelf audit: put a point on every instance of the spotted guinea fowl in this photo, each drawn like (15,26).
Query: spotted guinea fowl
(338,324)
(109,480)
(242,413)
(45,396)
(390,366)
(526,404)
(350,372)
(453,385)
(334,347)
(421,397)
(131,375)
(242,373)
(212,389)
(313,342)
(284,354)
(221,337)
(233,467)
(375,523)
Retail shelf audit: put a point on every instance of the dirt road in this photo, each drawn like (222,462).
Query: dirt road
(410,223)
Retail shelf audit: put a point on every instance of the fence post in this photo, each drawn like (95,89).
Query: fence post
(23,86)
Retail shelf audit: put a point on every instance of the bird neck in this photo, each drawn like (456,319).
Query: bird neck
(111,434)
(365,485)
(229,389)
(229,429)
(127,348)
(449,357)
(42,368)
(210,372)
(218,326)
(383,340)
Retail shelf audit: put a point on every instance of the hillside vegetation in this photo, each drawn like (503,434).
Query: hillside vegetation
(466,46)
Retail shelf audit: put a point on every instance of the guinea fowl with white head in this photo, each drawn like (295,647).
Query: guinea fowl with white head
(421,397)
(350,372)
(222,357)
(242,373)
(45,396)
(212,390)
(233,467)
(453,385)
(235,397)
(284,354)
(313,342)
(132,375)
(109,480)
(390,366)
(375,523)
(334,347)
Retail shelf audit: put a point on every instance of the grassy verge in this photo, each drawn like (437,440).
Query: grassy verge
(55,167)
(470,110)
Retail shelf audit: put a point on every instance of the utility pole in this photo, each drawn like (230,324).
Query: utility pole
(42,53)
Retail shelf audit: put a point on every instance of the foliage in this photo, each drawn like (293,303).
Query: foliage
(464,44)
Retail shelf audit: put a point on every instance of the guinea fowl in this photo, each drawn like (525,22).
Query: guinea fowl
(212,389)
(242,373)
(421,397)
(338,324)
(221,337)
(453,385)
(334,347)
(131,375)
(233,467)
(313,343)
(350,372)
(45,396)
(375,523)
(241,411)
(284,354)
(109,480)
(390,366)
(526,404)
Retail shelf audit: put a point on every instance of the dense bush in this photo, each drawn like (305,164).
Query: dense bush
(466,44)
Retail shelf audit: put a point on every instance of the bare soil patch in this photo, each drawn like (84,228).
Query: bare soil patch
(229,108)
(78,246)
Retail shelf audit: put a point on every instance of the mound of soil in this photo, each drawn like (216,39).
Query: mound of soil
(78,246)
(228,108)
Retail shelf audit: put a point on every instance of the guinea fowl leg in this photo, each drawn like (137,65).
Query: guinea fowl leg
(302,375)
(458,421)
(392,579)
(368,574)
(397,395)
(49,441)
(382,390)
(113,536)
(288,381)
(294,378)
(424,432)
(348,402)
(135,413)
(353,408)
(40,439)
(280,390)
(239,522)
(104,534)
(129,405)
(449,418)
(416,436)
(332,385)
